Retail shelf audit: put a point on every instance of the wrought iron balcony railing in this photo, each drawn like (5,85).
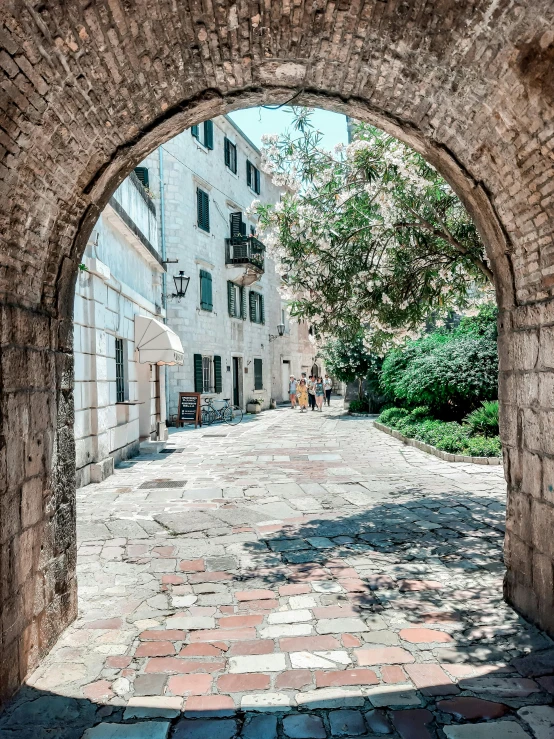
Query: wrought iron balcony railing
(245,250)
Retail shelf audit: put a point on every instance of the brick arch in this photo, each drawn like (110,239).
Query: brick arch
(89,88)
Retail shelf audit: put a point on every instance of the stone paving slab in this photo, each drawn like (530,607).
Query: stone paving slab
(307,576)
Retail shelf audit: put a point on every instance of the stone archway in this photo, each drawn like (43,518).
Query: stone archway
(89,88)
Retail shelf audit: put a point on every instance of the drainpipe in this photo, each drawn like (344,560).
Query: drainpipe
(164,275)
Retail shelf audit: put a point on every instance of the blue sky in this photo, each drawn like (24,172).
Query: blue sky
(257,121)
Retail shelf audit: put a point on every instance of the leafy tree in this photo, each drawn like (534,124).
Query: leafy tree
(450,372)
(367,237)
(349,361)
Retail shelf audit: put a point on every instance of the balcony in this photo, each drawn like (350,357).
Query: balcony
(244,257)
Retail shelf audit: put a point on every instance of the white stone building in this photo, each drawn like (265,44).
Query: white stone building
(119,394)
(228,320)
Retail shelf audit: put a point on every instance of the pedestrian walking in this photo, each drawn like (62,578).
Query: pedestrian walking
(302,395)
(311,392)
(319,393)
(292,391)
(328,386)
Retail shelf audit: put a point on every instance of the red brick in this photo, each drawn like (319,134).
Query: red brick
(413,723)
(344,572)
(172,580)
(467,707)
(293,679)
(209,703)
(101,690)
(310,643)
(383,655)
(349,641)
(431,679)
(424,636)
(162,635)
(200,650)
(227,609)
(259,646)
(414,585)
(118,663)
(393,674)
(155,649)
(337,678)
(380,581)
(106,623)
(243,683)
(249,606)
(164,552)
(192,565)
(236,622)
(174,664)
(294,589)
(190,684)
(209,577)
(354,586)
(254,595)
(223,635)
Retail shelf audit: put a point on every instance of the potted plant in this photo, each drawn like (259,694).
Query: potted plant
(254,406)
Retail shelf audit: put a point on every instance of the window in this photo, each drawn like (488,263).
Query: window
(203,210)
(258,375)
(207,374)
(230,151)
(238,226)
(206,302)
(253,177)
(236,300)
(257,314)
(204,134)
(142,174)
(120,374)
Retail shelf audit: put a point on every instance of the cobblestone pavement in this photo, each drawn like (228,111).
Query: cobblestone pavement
(300,576)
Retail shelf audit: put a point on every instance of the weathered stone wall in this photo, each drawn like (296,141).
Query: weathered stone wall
(87,90)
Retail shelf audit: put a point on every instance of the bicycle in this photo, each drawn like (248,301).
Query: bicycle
(230,414)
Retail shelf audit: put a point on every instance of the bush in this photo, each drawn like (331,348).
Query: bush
(359,406)
(391,415)
(483,446)
(484,420)
(450,372)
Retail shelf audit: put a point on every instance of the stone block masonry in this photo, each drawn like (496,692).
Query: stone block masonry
(88,91)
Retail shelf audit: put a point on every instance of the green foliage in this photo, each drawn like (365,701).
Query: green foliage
(369,237)
(449,372)
(484,420)
(348,359)
(449,437)
(359,406)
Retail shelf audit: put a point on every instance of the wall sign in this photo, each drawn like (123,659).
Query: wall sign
(189,409)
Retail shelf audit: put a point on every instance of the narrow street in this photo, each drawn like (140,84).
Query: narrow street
(299,575)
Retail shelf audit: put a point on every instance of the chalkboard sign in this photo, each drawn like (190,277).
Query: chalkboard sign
(189,409)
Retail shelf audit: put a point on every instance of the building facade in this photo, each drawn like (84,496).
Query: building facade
(204,181)
(119,396)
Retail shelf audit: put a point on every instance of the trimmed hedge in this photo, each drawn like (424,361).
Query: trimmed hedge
(450,436)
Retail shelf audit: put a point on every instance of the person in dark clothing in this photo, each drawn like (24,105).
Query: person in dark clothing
(311,392)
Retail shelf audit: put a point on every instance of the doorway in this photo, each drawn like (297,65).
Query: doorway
(237,381)
(285,374)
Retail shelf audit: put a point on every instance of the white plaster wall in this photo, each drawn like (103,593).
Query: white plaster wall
(186,165)
(119,283)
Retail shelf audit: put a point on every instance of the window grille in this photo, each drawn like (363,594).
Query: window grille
(119,371)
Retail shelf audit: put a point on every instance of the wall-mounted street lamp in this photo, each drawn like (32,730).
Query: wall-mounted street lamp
(280,331)
(181,285)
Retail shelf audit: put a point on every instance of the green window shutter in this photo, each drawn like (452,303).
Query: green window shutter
(256,181)
(208,134)
(231,298)
(142,174)
(198,381)
(195,131)
(218,380)
(248,173)
(258,375)
(226,154)
(206,301)
(252,298)
(262,309)
(202,209)
(243,303)
(236,224)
